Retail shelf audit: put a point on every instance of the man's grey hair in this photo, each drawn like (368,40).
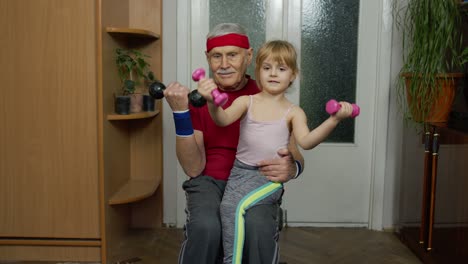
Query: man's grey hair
(226,28)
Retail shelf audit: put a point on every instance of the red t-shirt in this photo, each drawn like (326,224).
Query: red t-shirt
(220,142)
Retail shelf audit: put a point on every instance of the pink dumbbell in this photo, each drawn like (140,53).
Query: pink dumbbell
(333,106)
(219,98)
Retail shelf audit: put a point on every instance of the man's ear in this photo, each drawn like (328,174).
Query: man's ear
(249,55)
(207,58)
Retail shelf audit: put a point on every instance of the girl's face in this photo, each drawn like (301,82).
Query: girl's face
(275,77)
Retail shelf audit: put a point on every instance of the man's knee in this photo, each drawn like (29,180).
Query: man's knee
(205,229)
(203,241)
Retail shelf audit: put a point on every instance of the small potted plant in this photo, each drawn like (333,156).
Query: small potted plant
(432,57)
(135,74)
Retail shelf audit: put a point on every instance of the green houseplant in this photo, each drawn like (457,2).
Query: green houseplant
(432,55)
(135,75)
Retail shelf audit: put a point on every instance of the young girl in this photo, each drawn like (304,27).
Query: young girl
(267,121)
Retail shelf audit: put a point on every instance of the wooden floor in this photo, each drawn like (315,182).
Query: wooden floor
(344,246)
(298,246)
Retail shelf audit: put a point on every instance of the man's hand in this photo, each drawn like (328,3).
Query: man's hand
(177,96)
(280,169)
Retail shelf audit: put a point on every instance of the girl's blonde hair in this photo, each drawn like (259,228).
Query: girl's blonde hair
(279,51)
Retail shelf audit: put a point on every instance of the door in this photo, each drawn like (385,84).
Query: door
(337,184)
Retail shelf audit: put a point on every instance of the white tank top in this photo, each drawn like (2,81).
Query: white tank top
(260,140)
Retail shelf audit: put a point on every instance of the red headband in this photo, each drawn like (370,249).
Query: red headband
(232,39)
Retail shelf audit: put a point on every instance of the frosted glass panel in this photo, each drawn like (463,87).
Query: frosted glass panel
(329,60)
(248,13)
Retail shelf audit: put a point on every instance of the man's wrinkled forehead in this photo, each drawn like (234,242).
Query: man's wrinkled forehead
(225,50)
(232,39)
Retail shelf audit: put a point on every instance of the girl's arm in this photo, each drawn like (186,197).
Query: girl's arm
(310,139)
(297,155)
(222,117)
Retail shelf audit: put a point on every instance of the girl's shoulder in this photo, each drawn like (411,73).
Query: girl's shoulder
(242,100)
(290,106)
(295,111)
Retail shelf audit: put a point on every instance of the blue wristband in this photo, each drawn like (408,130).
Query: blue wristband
(183,123)
(298,169)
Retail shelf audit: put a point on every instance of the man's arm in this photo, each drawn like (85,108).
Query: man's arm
(191,153)
(190,148)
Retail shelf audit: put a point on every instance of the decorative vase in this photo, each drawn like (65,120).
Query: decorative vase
(136,103)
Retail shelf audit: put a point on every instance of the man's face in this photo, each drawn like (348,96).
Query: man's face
(229,65)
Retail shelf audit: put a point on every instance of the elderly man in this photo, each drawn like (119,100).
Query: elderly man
(206,152)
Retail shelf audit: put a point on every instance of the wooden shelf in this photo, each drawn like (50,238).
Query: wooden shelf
(140,115)
(132,32)
(50,242)
(135,190)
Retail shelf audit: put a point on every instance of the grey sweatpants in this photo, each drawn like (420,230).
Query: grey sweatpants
(245,188)
(203,243)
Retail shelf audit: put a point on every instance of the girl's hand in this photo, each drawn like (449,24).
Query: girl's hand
(345,111)
(205,87)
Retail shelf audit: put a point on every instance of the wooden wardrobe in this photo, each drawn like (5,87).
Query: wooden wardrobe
(74,177)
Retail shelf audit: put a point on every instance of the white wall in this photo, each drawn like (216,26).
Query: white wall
(394,140)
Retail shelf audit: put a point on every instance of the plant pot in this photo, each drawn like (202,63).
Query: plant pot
(148,103)
(440,108)
(122,105)
(136,103)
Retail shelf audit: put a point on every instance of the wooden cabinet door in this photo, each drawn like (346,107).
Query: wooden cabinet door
(48,119)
